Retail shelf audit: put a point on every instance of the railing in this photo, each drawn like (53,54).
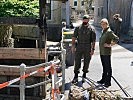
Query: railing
(44,67)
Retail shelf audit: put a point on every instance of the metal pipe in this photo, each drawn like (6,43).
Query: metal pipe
(60,79)
(16,86)
(22,82)
(7,66)
(63,69)
(124,91)
(38,84)
(44,64)
(93,82)
(54,51)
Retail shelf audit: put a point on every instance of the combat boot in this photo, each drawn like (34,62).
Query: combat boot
(75,79)
(83,77)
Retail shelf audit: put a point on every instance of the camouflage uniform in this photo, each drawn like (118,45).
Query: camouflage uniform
(84,35)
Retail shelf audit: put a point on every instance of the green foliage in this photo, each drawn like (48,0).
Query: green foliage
(23,8)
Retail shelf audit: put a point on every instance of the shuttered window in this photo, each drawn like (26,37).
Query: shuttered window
(75,3)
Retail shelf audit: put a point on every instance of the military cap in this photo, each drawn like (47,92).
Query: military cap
(86,17)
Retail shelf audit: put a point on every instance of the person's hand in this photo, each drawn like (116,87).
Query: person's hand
(73,49)
(113,43)
(92,52)
(107,45)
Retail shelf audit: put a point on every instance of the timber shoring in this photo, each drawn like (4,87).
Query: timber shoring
(18,20)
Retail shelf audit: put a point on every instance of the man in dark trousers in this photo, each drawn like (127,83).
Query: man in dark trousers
(117,24)
(85,46)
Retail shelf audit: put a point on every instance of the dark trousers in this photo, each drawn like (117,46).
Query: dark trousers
(107,70)
(117,32)
(80,53)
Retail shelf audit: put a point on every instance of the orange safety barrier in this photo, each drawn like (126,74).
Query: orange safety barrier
(55,89)
(47,70)
(5,84)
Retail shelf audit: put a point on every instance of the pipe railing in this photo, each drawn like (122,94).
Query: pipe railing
(49,66)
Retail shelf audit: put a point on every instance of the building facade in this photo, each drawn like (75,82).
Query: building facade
(78,5)
(107,8)
(53,11)
(77,8)
(56,12)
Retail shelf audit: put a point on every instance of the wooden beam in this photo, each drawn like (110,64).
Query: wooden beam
(22,53)
(18,20)
(16,72)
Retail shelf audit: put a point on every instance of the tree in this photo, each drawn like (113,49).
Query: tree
(88,5)
(23,8)
(15,8)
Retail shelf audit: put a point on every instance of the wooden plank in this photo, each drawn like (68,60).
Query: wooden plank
(18,20)
(16,72)
(16,97)
(22,53)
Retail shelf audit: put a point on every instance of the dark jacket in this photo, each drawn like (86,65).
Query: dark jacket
(107,36)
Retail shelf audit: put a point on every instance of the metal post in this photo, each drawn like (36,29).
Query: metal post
(47,53)
(42,40)
(42,21)
(63,69)
(67,13)
(22,82)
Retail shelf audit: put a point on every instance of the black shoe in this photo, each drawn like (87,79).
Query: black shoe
(75,80)
(83,77)
(100,82)
(107,85)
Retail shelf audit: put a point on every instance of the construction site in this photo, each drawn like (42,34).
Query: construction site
(36,62)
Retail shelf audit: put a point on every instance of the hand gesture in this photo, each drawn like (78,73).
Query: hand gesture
(73,49)
(107,45)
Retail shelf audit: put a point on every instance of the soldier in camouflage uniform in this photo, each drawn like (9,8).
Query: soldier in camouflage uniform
(85,46)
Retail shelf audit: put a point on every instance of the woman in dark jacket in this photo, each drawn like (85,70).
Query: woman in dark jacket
(107,40)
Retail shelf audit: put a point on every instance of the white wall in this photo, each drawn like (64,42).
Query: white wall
(56,7)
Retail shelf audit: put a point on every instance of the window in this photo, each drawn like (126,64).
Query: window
(48,1)
(100,11)
(75,3)
(98,14)
(82,3)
